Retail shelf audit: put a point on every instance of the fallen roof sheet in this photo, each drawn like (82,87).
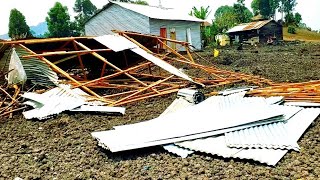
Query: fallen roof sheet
(101,109)
(195,121)
(217,145)
(60,99)
(116,42)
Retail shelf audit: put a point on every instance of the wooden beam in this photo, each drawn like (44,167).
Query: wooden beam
(110,64)
(47,40)
(150,36)
(57,69)
(113,75)
(174,51)
(144,89)
(82,52)
(65,59)
(189,54)
(80,61)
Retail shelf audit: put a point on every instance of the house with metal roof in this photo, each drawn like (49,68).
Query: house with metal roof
(265,31)
(164,22)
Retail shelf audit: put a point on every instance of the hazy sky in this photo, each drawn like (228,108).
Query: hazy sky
(35,11)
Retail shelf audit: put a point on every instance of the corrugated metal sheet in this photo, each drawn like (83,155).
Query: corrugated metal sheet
(53,102)
(101,109)
(161,63)
(217,145)
(37,71)
(215,115)
(249,26)
(116,17)
(158,13)
(180,28)
(115,42)
(302,104)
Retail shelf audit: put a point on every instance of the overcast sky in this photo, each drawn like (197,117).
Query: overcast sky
(35,11)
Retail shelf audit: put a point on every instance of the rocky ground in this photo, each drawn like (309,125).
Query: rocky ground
(62,147)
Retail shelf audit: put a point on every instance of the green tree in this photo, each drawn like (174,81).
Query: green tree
(84,9)
(18,28)
(297,19)
(286,7)
(141,2)
(225,18)
(243,14)
(58,20)
(267,8)
(201,13)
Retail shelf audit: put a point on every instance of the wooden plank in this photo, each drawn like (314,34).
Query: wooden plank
(80,61)
(82,52)
(65,59)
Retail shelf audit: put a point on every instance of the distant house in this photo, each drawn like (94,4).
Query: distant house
(265,31)
(147,20)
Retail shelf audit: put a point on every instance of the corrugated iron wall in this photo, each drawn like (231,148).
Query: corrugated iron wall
(180,29)
(117,18)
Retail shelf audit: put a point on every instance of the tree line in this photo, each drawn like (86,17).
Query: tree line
(225,17)
(58,20)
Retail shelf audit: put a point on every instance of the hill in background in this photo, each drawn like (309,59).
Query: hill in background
(301,35)
(37,31)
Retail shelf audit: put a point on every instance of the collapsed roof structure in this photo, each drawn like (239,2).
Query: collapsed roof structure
(118,69)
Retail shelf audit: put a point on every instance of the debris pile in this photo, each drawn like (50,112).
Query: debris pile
(114,69)
(229,126)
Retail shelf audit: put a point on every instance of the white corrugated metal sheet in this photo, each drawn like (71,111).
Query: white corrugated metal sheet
(115,42)
(217,145)
(60,99)
(271,136)
(53,102)
(158,13)
(161,63)
(101,109)
(215,115)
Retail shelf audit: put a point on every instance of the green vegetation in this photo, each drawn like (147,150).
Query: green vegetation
(84,9)
(302,34)
(291,30)
(58,20)
(18,28)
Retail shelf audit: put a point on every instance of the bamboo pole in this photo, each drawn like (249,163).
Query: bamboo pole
(110,64)
(144,89)
(56,68)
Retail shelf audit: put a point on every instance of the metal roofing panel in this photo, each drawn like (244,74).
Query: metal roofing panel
(161,63)
(217,145)
(271,136)
(55,101)
(103,109)
(249,26)
(230,113)
(115,42)
(158,13)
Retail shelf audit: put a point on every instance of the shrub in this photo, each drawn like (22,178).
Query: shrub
(291,30)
